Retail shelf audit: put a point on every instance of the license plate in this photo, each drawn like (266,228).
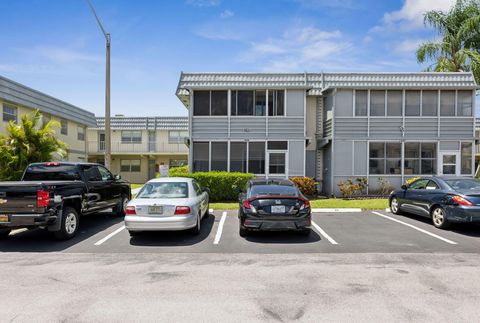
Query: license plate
(3,218)
(155,209)
(278,209)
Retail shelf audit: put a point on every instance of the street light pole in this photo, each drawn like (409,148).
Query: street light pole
(108,150)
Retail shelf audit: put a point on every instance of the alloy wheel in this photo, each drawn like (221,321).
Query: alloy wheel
(438,216)
(394,205)
(70,223)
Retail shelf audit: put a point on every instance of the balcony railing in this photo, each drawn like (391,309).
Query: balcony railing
(141,147)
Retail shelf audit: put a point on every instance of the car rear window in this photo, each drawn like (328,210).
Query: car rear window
(274,190)
(51,173)
(464,184)
(164,190)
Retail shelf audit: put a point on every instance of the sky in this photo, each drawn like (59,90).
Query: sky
(56,46)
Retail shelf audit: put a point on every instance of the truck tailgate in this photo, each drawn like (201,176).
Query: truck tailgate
(19,197)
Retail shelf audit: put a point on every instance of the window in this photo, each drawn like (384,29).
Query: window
(64,127)
(466,158)
(81,133)
(447,103)
(394,103)
(177,162)
(238,157)
(177,137)
(201,154)
(219,156)
(201,103)
(432,186)
(106,175)
(377,103)
(165,190)
(197,188)
(276,102)
(385,158)
(276,163)
(130,165)
(277,145)
(244,103)
(41,172)
(256,159)
(46,118)
(131,137)
(429,103)
(361,103)
(219,103)
(420,158)
(9,113)
(412,103)
(420,184)
(464,103)
(92,174)
(260,103)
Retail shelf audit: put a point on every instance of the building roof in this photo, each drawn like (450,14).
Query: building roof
(144,123)
(316,83)
(23,95)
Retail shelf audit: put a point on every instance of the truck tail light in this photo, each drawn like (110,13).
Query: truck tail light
(50,164)
(130,210)
(461,201)
(182,210)
(43,198)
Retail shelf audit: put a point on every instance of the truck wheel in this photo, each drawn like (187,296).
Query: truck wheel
(69,225)
(119,210)
(4,233)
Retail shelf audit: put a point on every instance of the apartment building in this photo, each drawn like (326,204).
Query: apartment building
(17,99)
(139,145)
(332,126)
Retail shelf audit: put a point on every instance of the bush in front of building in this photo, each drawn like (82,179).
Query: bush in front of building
(223,186)
(305,184)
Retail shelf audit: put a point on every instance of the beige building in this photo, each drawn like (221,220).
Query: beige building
(17,99)
(140,145)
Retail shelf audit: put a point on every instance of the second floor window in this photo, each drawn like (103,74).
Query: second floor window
(210,103)
(9,113)
(131,137)
(81,133)
(63,127)
(177,137)
(276,102)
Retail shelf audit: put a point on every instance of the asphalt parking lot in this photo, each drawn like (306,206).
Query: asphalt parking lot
(356,232)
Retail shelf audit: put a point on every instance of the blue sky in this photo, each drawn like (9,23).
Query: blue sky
(56,47)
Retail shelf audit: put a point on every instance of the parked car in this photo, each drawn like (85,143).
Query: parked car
(273,205)
(444,200)
(54,195)
(167,204)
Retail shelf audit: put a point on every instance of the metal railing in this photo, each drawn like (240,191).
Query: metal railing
(327,128)
(140,147)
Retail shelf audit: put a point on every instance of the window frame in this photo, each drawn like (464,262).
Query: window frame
(131,137)
(130,167)
(177,139)
(64,127)
(420,159)
(385,158)
(10,116)
(81,134)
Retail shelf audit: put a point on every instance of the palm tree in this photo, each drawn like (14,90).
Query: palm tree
(30,141)
(457,49)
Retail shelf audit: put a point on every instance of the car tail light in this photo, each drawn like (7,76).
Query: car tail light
(182,210)
(52,164)
(246,204)
(461,201)
(130,210)
(306,204)
(43,198)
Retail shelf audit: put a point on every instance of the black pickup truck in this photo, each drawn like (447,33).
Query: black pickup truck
(54,195)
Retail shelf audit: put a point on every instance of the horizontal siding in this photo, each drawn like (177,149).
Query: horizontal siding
(385,127)
(247,127)
(286,127)
(453,128)
(351,127)
(421,128)
(209,128)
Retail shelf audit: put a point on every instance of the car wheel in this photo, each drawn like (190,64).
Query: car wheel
(439,218)
(4,233)
(395,206)
(134,233)
(243,232)
(121,207)
(196,229)
(69,225)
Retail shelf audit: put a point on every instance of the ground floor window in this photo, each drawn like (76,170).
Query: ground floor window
(385,158)
(201,156)
(256,157)
(177,162)
(276,163)
(238,157)
(466,158)
(219,156)
(420,158)
(130,165)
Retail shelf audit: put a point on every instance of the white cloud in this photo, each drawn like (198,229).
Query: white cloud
(227,14)
(322,4)
(203,3)
(407,46)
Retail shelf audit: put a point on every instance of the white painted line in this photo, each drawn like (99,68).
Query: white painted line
(415,228)
(388,210)
(220,228)
(17,231)
(323,233)
(210,211)
(345,210)
(99,242)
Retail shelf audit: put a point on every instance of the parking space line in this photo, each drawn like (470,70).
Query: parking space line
(415,228)
(323,233)
(99,242)
(17,231)
(220,228)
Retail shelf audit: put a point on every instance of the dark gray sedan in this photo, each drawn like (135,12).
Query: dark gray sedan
(444,200)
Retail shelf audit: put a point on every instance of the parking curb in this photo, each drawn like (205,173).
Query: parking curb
(344,210)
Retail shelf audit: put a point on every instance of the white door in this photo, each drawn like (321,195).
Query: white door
(449,163)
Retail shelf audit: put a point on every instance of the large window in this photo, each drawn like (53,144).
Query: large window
(394,103)
(206,103)
(361,101)
(276,102)
(201,103)
(256,157)
(219,103)
(201,155)
(238,157)
(412,103)
(219,156)
(81,133)
(385,158)
(464,103)
(64,127)
(9,113)
(177,136)
(377,103)
(276,163)
(244,103)
(429,103)
(131,137)
(130,165)
(466,158)
(447,103)
(260,103)
(420,158)
(177,162)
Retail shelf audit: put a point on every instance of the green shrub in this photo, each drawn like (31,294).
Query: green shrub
(222,185)
(305,184)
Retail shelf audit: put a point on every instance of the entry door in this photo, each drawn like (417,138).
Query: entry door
(277,163)
(449,163)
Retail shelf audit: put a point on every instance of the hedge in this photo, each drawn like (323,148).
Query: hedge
(222,185)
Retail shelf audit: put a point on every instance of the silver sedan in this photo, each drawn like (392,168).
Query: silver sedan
(170,204)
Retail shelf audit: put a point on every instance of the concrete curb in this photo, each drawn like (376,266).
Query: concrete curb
(345,210)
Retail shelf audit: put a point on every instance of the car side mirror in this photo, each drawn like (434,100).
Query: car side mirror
(404,187)
(117,177)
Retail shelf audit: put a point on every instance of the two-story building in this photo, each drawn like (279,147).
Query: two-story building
(139,145)
(332,126)
(17,99)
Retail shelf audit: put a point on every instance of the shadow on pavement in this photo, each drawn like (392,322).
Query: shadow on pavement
(39,240)
(467,229)
(174,238)
(282,237)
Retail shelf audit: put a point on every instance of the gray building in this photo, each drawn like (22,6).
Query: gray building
(332,126)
